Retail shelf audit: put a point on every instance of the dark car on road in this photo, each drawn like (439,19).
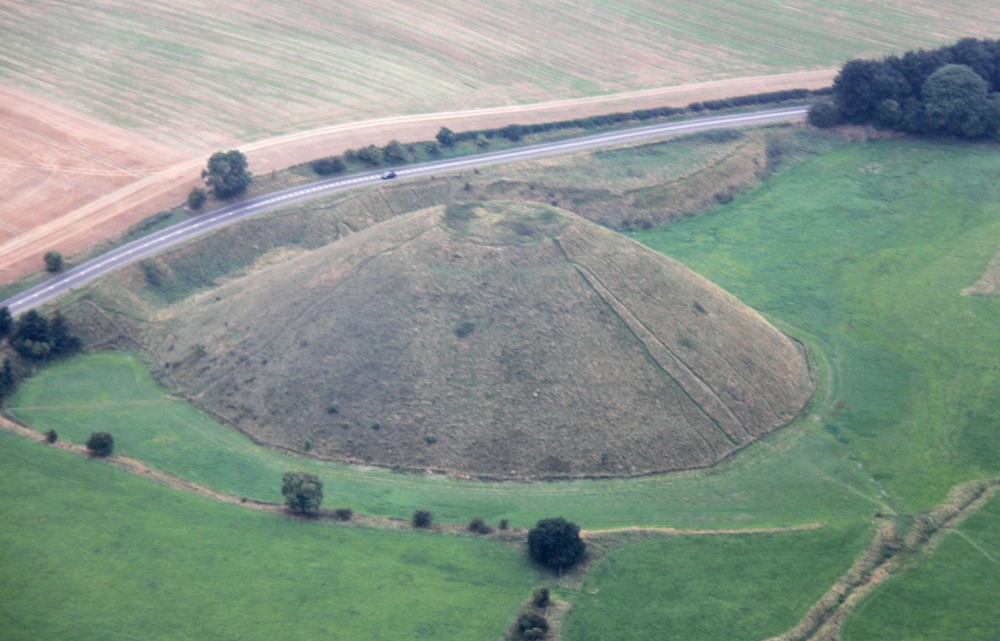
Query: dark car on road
(389,175)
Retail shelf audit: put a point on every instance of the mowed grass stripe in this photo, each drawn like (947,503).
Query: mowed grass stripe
(781,481)
(91,552)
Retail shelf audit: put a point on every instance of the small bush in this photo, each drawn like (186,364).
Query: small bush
(308,445)
(464,329)
(343,514)
(328,166)
(332,409)
(421,519)
(431,439)
(504,524)
(370,155)
(541,598)
(823,114)
(531,625)
(196,198)
(478,526)
(51,437)
(53,262)
(101,444)
(394,153)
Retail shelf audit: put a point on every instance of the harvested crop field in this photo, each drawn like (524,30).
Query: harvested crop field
(170,69)
(54,160)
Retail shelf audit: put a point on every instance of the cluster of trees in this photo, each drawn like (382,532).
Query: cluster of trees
(38,338)
(952,90)
(35,338)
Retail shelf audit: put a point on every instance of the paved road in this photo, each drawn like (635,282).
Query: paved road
(185,231)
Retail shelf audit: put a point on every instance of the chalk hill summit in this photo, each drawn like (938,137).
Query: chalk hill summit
(494,339)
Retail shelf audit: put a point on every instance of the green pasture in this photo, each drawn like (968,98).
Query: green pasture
(955,594)
(90,552)
(789,478)
(738,588)
(867,248)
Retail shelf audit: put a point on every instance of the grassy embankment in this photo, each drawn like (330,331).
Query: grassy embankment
(955,594)
(91,552)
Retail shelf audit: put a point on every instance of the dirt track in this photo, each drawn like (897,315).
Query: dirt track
(128,178)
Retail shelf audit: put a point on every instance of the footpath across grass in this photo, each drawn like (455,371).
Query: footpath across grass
(737,588)
(91,552)
(782,481)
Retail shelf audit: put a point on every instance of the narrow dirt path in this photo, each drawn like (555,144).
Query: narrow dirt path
(113,212)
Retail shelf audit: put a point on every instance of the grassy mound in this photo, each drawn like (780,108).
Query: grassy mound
(498,339)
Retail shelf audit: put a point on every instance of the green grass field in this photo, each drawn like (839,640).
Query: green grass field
(955,594)
(90,552)
(788,478)
(867,248)
(701,588)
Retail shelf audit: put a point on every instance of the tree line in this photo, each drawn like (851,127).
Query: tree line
(953,90)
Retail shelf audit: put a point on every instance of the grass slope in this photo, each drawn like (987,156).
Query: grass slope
(89,552)
(708,588)
(953,595)
(867,247)
(790,477)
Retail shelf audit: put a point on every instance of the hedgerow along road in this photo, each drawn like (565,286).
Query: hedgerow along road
(198,225)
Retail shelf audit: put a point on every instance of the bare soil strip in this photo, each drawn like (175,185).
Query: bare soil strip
(92,212)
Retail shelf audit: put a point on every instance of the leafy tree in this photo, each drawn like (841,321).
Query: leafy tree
(303,492)
(6,321)
(556,543)
(328,166)
(53,261)
(227,174)
(478,526)
(63,340)
(394,153)
(955,101)
(513,133)
(446,137)
(32,338)
(51,437)
(196,198)
(8,382)
(421,519)
(101,444)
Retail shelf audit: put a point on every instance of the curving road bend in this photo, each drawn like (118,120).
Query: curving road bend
(189,229)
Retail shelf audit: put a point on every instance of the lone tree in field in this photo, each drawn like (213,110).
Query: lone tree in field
(53,262)
(227,174)
(421,519)
(303,492)
(101,444)
(556,543)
